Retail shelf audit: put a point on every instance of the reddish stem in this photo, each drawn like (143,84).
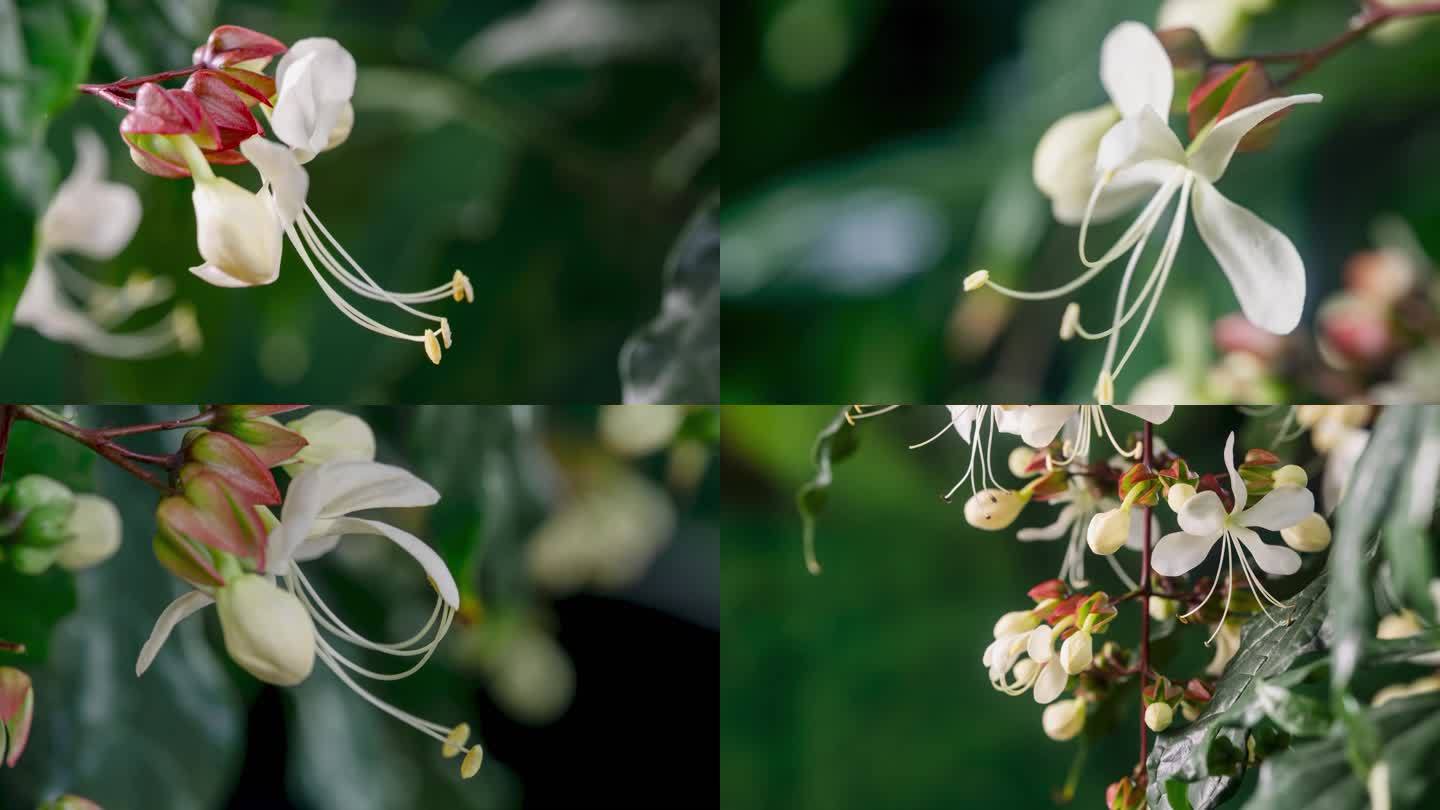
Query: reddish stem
(1374,13)
(1147,444)
(119,93)
(202,418)
(122,457)
(7,418)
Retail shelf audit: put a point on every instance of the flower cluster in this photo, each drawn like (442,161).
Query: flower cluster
(1096,164)
(43,523)
(180,132)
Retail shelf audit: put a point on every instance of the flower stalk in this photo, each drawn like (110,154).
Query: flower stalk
(1147,443)
(1374,14)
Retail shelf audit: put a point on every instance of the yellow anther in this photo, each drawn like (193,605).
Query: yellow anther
(445,331)
(471,764)
(432,347)
(1070,321)
(976,280)
(186,327)
(1105,389)
(455,743)
(462,288)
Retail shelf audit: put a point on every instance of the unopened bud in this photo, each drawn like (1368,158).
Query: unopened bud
(1159,716)
(1311,534)
(1015,622)
(993,509)
(1178,495)
(17,710)
(1291,475)
(267,631)
(1162,609)
(1019,461)
(976,280)
(1064,719)
(94,531)
(1108,531)
(1076,653)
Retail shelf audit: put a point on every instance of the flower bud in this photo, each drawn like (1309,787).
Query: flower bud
(1076,653)
(1064,719)
(17,709)
(1159,716)
(1020,460)
(94,530)
(1162,609)
(1016,622)
(1311,534)
(1291,475)
(267,631)
(1178,495)
(238,234)
(1108,531)
(638,430)
(1398,625)
(1064,164)
(33,491)
(993,509)
(331,436)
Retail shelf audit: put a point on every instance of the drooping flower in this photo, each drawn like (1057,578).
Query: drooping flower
(1081,505)
(1141,157)
(1205,522)
(315,516)
(96,218)
(1022,658)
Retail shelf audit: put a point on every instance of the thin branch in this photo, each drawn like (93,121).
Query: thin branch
(1147,448)
(7,418)
(1374,14)
(125,459)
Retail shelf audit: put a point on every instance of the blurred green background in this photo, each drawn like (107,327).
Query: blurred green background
(878,152)
(863,687)
(568,679)
(552,149)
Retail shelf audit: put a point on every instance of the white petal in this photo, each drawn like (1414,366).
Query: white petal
(1136,70)
(1154,414)
(1137,139)
(962,418)
(173,614)
(1040,643)
(1042,423)
(1051,682)
(1210,153)
(338,488)
(1179,552)
(434,567)
(1237,484)
(288,180)
(1281,508)
(1263,266)
(211,274)
(1054,530)
(1277,559)
(1136,539)
(1204,514)
(314,84)
(89,215)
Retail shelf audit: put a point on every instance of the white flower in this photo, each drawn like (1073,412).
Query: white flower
(316,514)
(1039,425)
(96,218)
(331,436)
(1020,661)
(976,425)
(238,234)
(1204,522)
(1140,156)
(1064,720)
(267,631)
(94,530)
(314,83)
(1081,504)
(1064,165)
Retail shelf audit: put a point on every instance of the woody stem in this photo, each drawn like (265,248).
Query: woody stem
(1374,13)
(1147,444)
(122,457)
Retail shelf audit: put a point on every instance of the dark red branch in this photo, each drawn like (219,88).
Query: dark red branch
(119,93)
(7,418)
(1146,446)
(122,457)
(1374,14)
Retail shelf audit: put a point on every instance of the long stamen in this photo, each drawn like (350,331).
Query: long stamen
(366,289)
(1230,587)
(458,288)
(1172,243)
(344,631)
(1213,585)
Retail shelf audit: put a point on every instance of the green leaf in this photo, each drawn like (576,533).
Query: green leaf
(1357,519)
(1406,537)
(1315,776)
(1268,653)
(45,50)
(836,442)
(676,357)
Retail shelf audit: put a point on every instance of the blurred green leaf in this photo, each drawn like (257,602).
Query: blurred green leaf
(1406,537)
(45,50)
(676,357)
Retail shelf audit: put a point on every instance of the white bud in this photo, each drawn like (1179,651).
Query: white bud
(1162,609)
(267,631)
(332,436)
(1108,531)
(1291,475)
(1016,622)
(1159,716)
(1024,670)
(1064,719)
(238,234)
(1077,653)
(1190,711)
(94,530)
(1019,461)
(638,430)
(1064,163)
(976,280)
(993,509)
(1178,495)
(1311,534)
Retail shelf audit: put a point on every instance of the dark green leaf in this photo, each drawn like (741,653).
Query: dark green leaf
(1407,533)
(1357,519)
(45,49)
(676,357)
(837,441)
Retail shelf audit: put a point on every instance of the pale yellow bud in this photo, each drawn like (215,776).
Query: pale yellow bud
(1064,719)
(1016,622)
(1019,461)
(1310,534)
(94,530)
(1108,531)
(1291,475)
(993,509)
(1178,495)
(1077,653)
(1159,716)
(1162,609)
(1398,625)
(267,631)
